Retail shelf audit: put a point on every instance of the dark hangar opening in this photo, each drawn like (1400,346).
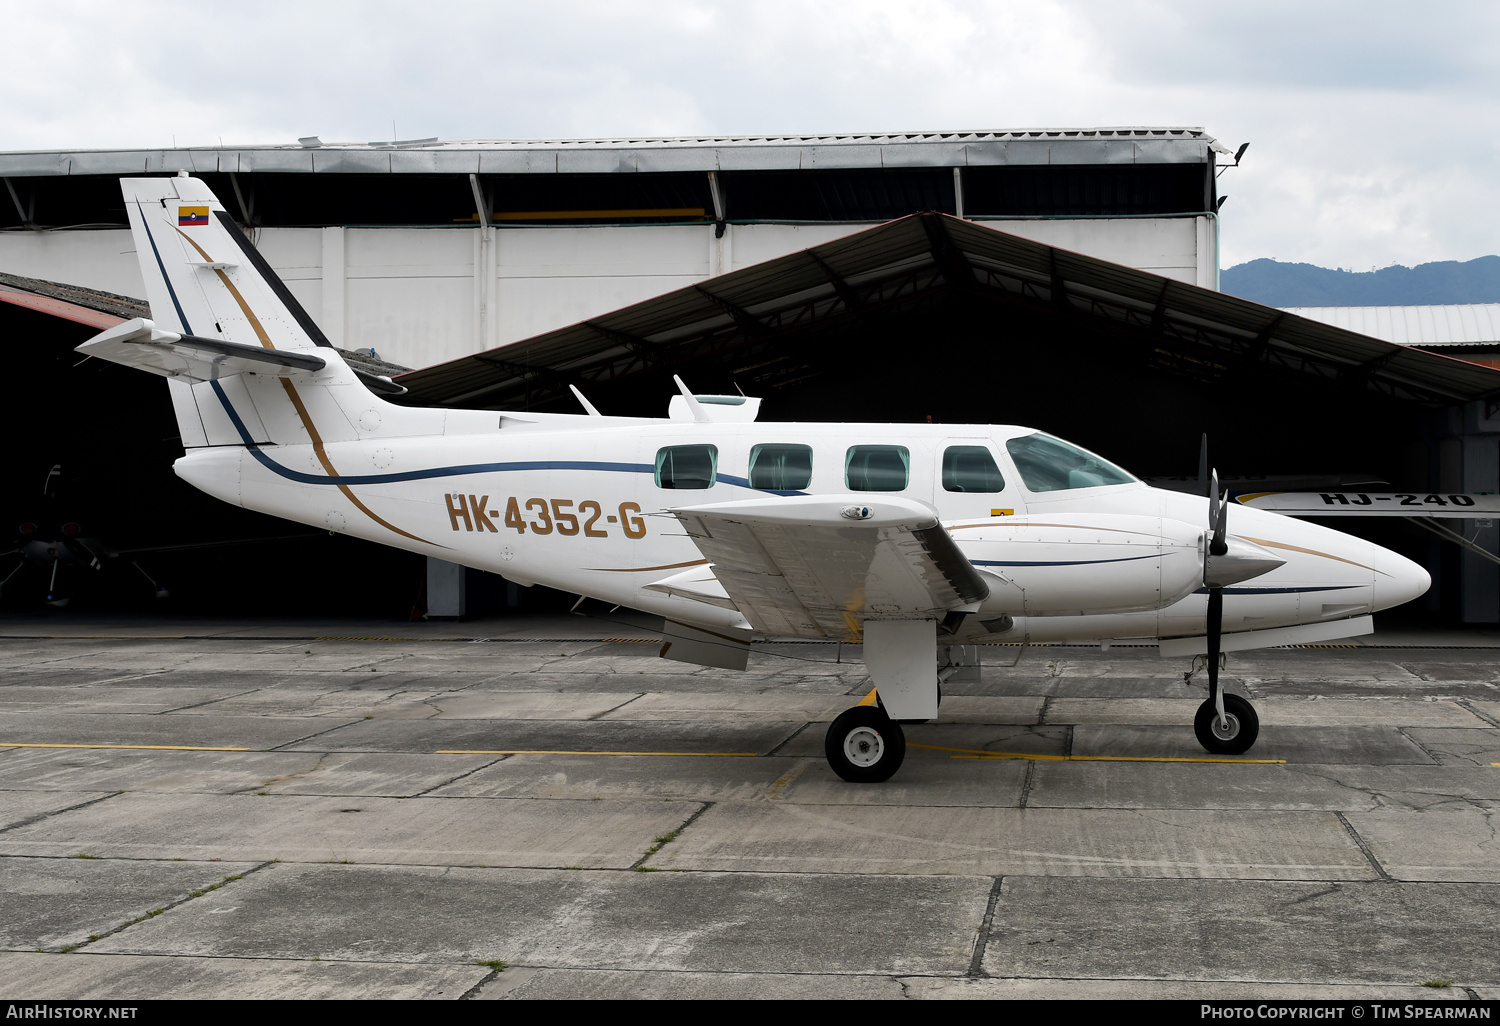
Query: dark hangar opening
(112,433)
(291,199)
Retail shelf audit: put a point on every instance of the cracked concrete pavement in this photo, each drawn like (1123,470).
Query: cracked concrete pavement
(542,808)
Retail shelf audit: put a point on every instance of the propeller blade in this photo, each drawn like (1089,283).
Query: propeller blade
(1220,544)
(1213,499)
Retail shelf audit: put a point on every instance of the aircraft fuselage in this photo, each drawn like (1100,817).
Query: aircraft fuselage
(574,503)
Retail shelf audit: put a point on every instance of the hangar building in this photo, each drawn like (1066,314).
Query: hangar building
(1065,280)
(425,250)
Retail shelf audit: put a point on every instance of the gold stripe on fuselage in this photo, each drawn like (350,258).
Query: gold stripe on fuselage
(1311,552)
(643,569)
(297,404)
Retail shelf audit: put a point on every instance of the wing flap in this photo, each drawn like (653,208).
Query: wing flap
(139,343)
(819,566)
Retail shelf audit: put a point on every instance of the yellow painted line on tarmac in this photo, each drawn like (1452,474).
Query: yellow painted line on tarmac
(1117,758)
(976,753)
(535,751)
(148,748)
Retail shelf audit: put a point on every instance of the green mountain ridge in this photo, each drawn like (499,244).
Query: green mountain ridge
(1439,283)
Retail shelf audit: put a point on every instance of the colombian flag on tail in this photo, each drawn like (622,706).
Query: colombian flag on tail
(191,215)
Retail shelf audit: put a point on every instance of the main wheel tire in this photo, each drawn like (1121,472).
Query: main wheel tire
(864,745)
(1243,726)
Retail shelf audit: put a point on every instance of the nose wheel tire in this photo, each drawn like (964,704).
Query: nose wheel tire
(864,746)
(1232,737)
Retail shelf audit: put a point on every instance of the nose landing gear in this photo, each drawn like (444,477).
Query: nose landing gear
(1234,733)
(1225,724)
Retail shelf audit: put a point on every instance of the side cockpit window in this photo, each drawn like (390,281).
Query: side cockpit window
(877,468)
(1049,464)
(686,466)
(970,468)
(781,468)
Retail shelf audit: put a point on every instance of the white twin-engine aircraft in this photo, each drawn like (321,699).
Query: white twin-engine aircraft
(916,540)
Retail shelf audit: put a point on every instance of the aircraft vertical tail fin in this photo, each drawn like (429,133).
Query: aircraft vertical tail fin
(215,305)
(203,277)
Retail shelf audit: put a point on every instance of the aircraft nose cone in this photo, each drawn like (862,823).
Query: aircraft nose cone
(1397,579)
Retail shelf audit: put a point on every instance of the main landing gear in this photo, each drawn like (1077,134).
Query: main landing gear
(864,745)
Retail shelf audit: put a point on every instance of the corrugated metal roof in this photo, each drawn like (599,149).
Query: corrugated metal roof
(86,306)
(1458,325)
(1209,332)
(1126,145)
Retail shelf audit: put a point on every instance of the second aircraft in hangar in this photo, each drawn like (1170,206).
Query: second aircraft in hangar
(914,540)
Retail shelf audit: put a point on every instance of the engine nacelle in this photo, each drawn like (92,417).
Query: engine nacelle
(1072,564)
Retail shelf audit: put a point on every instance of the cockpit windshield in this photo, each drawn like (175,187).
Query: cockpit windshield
(1049,464)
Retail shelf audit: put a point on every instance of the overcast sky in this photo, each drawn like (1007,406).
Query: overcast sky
(1373,125)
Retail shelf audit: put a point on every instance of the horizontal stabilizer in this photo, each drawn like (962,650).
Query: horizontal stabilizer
(1459,506)
(378,383)
(819,566)
(139,343)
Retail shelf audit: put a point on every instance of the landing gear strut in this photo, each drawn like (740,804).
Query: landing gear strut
(864,745)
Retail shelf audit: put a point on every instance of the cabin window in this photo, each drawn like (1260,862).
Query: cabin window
(781,468)
(1049,464)
(686,466)
(970,468)
(877,468)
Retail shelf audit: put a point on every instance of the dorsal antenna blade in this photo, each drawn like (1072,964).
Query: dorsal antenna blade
(593,412)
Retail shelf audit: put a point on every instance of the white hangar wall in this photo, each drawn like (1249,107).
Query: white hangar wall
(420,296)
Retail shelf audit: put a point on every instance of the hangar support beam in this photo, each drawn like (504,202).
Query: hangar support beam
(746,320)
(26,211)
(643,346)
(948,257)
(1258,346)
(852,299)
(558,381)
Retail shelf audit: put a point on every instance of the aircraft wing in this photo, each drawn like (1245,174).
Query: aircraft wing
(1458,506)
(818,566)
(139,343)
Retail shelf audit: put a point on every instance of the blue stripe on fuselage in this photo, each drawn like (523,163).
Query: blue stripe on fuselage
(1283,591)
(438,472)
